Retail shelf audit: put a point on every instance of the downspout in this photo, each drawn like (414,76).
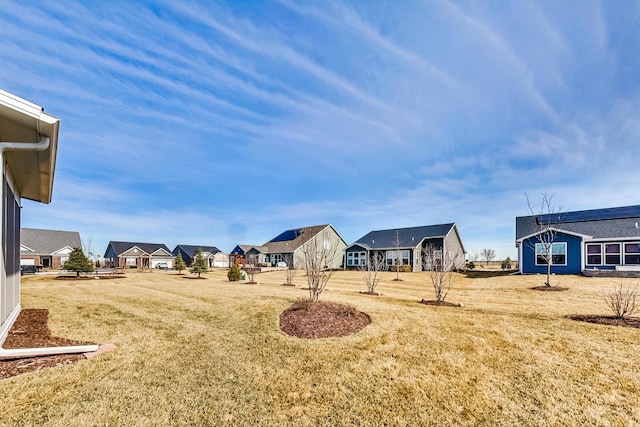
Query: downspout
(25,146)
(19,353)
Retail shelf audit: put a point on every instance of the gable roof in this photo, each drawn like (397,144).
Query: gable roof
(244,249)
(621,222)
(290,240)
(121,247)
(191,250)
(47,242)
(23,123)
(408,237)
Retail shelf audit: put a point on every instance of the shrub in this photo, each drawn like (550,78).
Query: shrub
(347,310)
(234,274)
(471,265)
(623,301)
(301,304)
(506,264)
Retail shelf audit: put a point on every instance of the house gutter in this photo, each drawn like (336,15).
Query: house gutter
(19,353)
(25,146)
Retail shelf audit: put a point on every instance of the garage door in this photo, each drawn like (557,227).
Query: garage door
(27,261)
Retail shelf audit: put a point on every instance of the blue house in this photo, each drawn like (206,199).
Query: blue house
(599,239)
(406,246)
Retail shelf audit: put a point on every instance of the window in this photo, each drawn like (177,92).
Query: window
(130,261)
(558,253)
(632,253)
(594,254)
(403,257)
(356,258)
(612,253)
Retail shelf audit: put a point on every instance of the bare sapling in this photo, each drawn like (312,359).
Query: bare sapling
(319,254)
(290,272)
(372,273)
(441,266)
(622,300)
(547,221)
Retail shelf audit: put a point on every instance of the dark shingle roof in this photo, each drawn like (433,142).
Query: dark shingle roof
(46,242)
(191,250)
(622,222)
(290,240)
(149,248)
(408,237)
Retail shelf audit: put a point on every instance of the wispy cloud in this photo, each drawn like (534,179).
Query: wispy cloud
(237,122)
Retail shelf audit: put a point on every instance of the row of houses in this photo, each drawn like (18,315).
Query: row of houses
(49,249)
(599,239)
(397,247)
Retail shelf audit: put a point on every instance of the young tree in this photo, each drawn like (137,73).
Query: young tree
(547,221)
(371,274)
(488,255)
(506,263)
(234,274)
(441,266)
(179,263)
(398,256)
(251,272)
(290,272)
(199,264)
(318,254)
(78,262)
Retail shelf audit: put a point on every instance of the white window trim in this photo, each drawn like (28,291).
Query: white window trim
(587,253)
(625,253)
(619,254)
(566,255)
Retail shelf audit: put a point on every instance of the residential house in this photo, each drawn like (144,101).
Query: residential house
(248,254)
(28,147)
(47,248)
(214,256)
(138,255)
(406,246)
(599,239)
(290,245)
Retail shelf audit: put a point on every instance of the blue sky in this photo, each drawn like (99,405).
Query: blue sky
(228,122)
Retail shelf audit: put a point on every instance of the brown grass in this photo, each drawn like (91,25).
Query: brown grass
(211,353)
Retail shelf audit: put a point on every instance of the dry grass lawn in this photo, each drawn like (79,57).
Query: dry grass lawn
(209,352)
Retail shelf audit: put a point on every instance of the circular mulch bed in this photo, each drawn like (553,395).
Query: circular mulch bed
(629,322)
(440,303)
(549,288)
(288,284)
(322,319)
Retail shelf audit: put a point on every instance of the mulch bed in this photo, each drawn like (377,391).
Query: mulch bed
(440,303)
(369,293)
(31,330)
(629,322)
(322,320)
(549,288)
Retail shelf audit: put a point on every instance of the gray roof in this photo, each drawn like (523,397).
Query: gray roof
(46,242)
(122,247)
(290,240)
(191,250)
(408,237)
(623,222)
